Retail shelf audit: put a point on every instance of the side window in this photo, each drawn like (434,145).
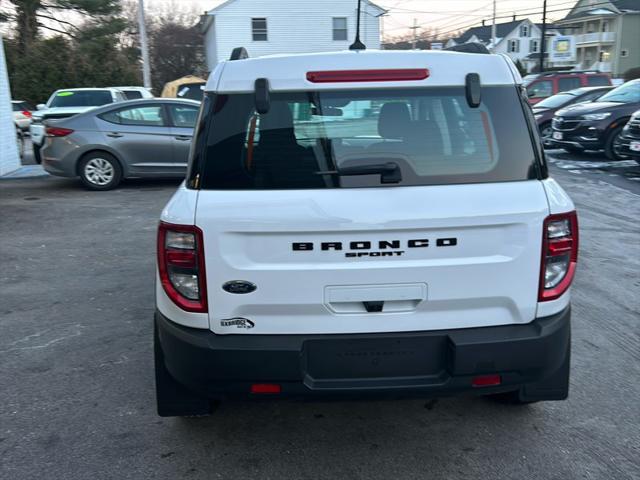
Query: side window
(339,28)
(184,116)
(542,89)
(568,83)
(259,29)
(148,115)
(597,80)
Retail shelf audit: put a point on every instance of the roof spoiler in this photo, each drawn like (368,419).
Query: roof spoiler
(239,53)
(473,47)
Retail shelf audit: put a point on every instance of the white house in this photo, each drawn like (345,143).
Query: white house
(266,27)
(9,160)
(520,39)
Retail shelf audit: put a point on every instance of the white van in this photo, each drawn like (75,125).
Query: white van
(364,223)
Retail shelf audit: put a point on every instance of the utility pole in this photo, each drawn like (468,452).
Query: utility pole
(543,40)
(493,28)
(415,33)
(144,46)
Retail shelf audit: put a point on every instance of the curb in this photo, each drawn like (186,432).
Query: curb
(27,171)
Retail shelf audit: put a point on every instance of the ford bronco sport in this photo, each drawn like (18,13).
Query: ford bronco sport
(361,223)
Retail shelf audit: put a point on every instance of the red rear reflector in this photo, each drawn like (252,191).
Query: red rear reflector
(486,381)
(390,75)
(58,132)
(26,113)
(266,388)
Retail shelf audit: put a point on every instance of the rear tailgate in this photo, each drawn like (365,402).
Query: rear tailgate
(394,259)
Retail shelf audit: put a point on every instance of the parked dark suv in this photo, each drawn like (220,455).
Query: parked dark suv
(596,125)
(543,85)
(545,110)
(628,142)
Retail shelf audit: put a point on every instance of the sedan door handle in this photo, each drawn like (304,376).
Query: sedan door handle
(114,135)
(183,138)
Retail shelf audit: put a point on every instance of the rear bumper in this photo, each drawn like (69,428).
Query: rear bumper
(425,363)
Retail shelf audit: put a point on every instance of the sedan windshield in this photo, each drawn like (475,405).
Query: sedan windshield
(81,98)
(627,93)
(556,101)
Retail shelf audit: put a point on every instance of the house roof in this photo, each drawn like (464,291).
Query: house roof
(484,33)
(580,9)
(213,11)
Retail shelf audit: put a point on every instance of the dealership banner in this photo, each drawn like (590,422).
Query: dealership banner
(563,48)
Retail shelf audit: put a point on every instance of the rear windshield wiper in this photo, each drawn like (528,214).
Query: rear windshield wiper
(389,172)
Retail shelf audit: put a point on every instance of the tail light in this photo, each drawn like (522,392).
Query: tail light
(181,266)
(26,113)
(559,255)
(58,131)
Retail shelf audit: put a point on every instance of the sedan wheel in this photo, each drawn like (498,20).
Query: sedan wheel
(100,171)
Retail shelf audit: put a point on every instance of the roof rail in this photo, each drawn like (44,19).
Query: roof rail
(552,72)
(239,53)
(473,47)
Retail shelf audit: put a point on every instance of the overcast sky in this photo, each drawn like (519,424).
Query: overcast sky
(447,16)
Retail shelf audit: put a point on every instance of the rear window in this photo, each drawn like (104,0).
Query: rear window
(191,91)
(84,98)
(310,139)
(598,80)
(20,106)
(132,94)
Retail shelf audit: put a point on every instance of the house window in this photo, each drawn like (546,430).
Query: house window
(514,46)
(524,31)
(259,29)
(534,46)
(340,28)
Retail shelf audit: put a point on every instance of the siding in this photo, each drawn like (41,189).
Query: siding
(629,39)
(294,26)
(9,160)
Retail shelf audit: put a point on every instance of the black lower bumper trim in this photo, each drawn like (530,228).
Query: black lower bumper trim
(434,362)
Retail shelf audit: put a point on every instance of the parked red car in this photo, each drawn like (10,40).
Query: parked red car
(543,85)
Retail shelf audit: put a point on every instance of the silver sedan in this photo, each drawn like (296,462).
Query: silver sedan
(140,138)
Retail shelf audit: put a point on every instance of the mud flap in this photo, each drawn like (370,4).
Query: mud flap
(174,399)
(554,387)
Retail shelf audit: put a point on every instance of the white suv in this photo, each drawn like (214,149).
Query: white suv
(364,223)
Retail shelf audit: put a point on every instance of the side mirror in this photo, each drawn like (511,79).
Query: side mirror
(41,106)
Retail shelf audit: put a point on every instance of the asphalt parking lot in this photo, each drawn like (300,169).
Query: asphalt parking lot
(76,371)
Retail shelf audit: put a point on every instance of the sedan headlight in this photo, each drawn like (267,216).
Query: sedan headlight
(596,116)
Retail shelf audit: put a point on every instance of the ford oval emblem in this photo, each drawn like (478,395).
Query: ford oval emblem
(239,287)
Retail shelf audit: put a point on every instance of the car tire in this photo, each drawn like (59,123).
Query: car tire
(174,399)
(36,154)
(610,145)
(100,171)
